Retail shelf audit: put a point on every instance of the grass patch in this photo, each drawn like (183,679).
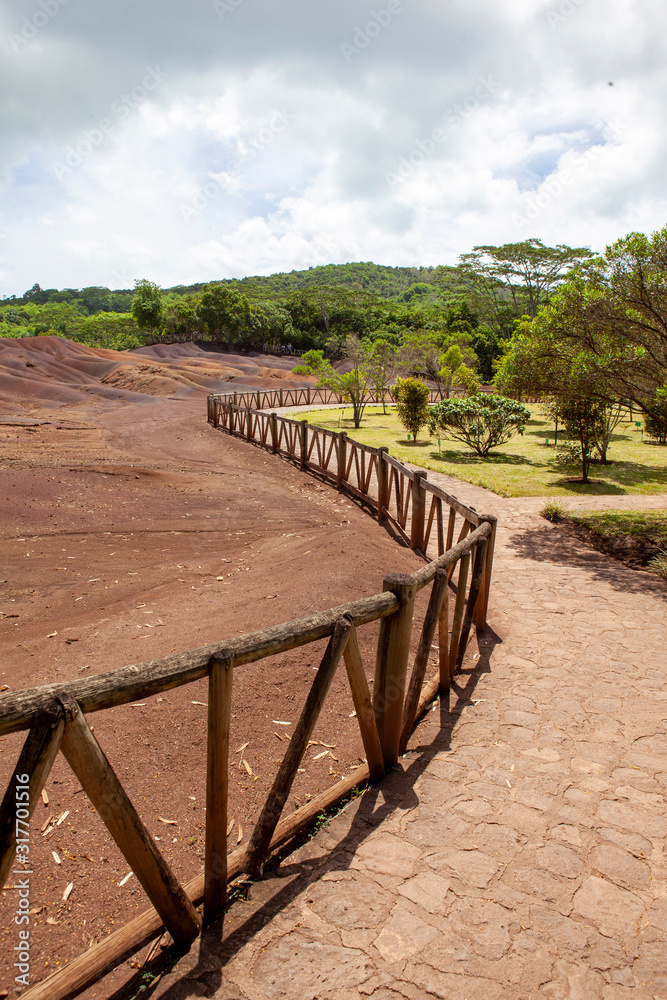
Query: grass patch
(637,538)
(525,466)
(554,510)
(647,526)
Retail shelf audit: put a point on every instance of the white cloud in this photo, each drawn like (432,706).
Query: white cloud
(115,125)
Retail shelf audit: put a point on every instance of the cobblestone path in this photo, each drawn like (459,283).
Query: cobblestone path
(518,850)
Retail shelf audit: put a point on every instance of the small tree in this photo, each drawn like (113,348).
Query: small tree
(147,304)
(480,421)
(467,379)
(584,423)
(437,356)
(613,414)
(354,385)
(452,362)
(383,364)
(411,397)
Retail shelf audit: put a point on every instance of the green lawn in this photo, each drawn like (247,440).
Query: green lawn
(524,466)
(648,526)
(642,534)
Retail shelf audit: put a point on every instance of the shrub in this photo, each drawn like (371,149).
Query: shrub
(554,511)
(411,397)
(659,563)
(481,421)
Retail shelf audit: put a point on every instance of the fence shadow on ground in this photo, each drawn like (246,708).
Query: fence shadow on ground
(559,546)
(203,974)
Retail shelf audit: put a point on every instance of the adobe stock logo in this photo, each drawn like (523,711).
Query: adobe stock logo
(554,187)
(31,26)
(566,8)
(363,36)
(454,115)
(252,147)
(122,108)
(225,7)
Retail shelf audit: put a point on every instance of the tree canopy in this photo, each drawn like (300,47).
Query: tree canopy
(604,335)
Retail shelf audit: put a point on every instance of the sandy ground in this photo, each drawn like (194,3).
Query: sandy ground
(131,529)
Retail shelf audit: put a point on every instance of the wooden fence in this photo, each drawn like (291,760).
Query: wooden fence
(419,511)
(55,716)
(260,399)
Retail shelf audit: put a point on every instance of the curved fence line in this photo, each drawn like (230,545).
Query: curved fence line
(267,399)
(55,715)
(420,512)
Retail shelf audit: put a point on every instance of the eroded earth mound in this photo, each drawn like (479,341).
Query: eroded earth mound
(53,371)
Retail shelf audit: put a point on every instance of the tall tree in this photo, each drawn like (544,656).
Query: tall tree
(517,278)
(384,364)
(147,304)
(437,356)
(224,312)
(604,335)
(354,385)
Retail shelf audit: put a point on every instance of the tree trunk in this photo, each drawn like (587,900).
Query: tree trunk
(585,458)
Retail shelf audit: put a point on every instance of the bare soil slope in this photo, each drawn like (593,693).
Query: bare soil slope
(53,372)
(130,530)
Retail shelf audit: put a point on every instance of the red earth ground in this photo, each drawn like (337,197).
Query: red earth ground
(131,529)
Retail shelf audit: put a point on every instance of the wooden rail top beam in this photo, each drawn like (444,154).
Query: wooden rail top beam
(126,684)
(468,512)
(427,573)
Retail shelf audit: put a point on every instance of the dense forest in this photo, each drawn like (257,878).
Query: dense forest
(473,306)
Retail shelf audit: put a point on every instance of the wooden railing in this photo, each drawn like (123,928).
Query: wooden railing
(421,513)
(55,716)
(261,399)
(56,719)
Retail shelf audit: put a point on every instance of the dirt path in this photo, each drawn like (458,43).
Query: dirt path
(518,851)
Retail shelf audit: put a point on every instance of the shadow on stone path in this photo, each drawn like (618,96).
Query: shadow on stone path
(517,853)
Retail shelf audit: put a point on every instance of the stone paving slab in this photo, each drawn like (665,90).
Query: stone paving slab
(517,852)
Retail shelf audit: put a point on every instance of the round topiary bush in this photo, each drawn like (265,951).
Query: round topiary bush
(481,421)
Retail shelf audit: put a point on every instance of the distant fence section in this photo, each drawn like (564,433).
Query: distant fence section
(261,399)
(420,512)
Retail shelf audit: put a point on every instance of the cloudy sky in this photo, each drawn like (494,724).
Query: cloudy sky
(185,142)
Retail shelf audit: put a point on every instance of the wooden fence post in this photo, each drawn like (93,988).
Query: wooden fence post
(464,566)
(34,763)
(308,395)
(438,594)
(485,588)
(303,435)
(101,785)
(475,585)
(342,459)
(280,394)
(418,511)
(258,397)
(274,432)
(217,784)
(391,665)
(248,426)
(383,484)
